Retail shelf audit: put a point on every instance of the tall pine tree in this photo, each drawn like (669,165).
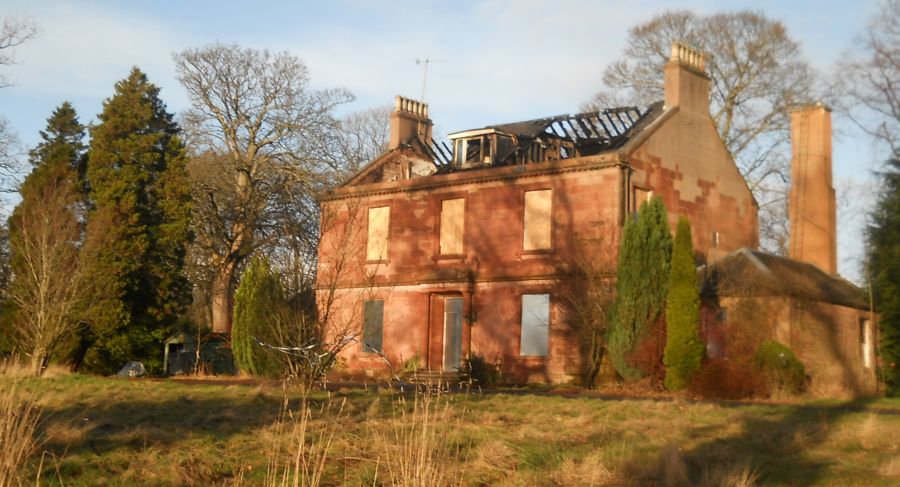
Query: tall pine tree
(684,349)
(45,229)
(641,282)
(137,229)
(884,271)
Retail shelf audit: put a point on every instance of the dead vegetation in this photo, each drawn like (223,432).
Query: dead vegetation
(19,418)
(143,432)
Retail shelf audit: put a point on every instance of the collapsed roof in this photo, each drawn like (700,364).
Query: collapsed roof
(542,139)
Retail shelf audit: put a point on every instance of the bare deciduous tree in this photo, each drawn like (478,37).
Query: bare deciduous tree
(259,128)
(10,151)
(867,81)
(758,73)
(46,285)
(364,136)
(13,32)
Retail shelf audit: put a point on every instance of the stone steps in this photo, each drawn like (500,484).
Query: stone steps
(433,377)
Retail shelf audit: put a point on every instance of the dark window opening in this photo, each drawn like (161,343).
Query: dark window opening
(373,325)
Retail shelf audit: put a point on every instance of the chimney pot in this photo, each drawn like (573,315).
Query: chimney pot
(686,82)
(408,120)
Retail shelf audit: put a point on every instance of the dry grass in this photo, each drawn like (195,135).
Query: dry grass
(146,432)
(298,454)
(19,416)
(415,448)
(13,369)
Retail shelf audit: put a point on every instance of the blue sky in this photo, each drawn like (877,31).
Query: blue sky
(502,60)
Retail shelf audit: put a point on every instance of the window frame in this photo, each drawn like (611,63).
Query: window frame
(387,237)
(439,254)
(865,342)
(552,240)
(549,324)
(364,347)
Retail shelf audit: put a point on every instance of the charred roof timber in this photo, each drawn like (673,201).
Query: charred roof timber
(543,139)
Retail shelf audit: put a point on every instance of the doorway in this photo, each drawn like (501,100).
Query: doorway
(453,317)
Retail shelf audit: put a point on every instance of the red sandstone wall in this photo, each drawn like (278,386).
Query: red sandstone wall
(825,337)
(491,275)
(686,163)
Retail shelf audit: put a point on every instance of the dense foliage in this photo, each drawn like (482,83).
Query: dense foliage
(684,349)
(641,285)
(884,271)
(257,303)
(781,368)
(137,228)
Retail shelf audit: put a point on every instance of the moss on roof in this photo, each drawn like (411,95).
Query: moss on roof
(748,272)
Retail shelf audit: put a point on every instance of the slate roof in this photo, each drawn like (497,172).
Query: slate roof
(747,272)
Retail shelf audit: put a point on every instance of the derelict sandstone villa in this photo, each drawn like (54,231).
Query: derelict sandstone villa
(442,252)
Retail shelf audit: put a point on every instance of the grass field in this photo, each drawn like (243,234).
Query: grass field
(99,431)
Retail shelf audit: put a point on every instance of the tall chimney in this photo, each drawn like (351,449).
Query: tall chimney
(812,204)
(409,120)
(686,82)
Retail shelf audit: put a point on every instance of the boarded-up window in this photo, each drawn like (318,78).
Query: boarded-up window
(865,342)
(537,219)
(452,221)
(377,242)
(641,196)
(373,324)
(535,324)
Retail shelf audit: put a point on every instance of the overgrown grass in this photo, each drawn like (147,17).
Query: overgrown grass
(146,432)
(18,420)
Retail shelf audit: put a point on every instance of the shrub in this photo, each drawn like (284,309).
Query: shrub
(257,301)
(781,368)
(641,285)
(684,349)
(482,372)
(412,364)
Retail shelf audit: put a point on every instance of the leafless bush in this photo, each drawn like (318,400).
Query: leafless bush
(587,297)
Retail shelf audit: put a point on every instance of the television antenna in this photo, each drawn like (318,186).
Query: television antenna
(424,63)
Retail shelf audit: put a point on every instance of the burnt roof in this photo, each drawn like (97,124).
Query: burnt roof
(590,133)
(601,125)
(752,273)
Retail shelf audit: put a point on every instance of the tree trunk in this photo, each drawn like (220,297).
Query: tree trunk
(222,299)
(38,359)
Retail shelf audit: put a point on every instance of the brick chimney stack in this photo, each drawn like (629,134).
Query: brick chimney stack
(686,82)
(409,120)
(812,204)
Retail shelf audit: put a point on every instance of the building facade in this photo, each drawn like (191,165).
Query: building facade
(439,252)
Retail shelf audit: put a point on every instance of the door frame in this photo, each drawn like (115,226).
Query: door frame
(461,321)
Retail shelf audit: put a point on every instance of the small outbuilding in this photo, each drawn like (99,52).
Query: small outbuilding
(823,318)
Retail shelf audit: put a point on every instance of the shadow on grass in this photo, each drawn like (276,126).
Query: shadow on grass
(137,424)
(775,449)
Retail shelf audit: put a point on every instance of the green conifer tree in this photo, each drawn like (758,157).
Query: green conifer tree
(258,298)
(137,229)
(883,265)
(52,190)
(641,282)
(684,349)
